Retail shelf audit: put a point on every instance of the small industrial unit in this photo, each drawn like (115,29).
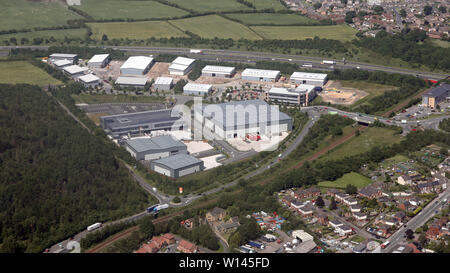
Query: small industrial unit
(63,56)
(124,81)
(181,66)
(60,64)
(302,95)
(218,71)
(436,95)
(89,80)
(136,65)
(250,74)
(163,84)
(75,71)
(155,148)
(237,119)
(197,89)
(177,165)
(316,79)
(99,60)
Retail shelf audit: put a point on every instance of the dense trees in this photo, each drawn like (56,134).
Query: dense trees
(55,177)
(445,125)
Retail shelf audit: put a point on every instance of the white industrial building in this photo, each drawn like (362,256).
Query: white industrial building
(302,235)
(181,66)
(89,80)
(197,89)
(131,81)
(302,95)
(62,63)
(99,60)
(155,148)
(136,65)
(177,165)
(250,74)
(316,79)
(163,84)
(75,71)
(218,71)
(63,56)
(236,119)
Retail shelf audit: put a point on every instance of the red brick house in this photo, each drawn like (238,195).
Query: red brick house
(169,238)
(187,247)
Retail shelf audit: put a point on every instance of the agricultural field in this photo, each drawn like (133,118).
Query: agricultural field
(211,26)
(335,32)
(201,6)
(271,19)
(372,136)
(267,4)
(24,72)
(46,34)
(135,30)
(123,9)
(356,179)
(22,14)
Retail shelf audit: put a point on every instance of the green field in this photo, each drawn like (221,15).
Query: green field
(441,43)
(46,34)
(201,6)
(22,14)
(352,178)
(123,9)
(93,98)
(267,4)
(371,137)
(335,32)
(271,19)
(135,30)
(373,89)
(24,72)
(212,26)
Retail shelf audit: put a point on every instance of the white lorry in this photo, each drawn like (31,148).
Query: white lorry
(94,226)
(328,62)
(196,51)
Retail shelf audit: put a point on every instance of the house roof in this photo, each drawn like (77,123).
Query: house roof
(216,211)
(187,245)
(368,191)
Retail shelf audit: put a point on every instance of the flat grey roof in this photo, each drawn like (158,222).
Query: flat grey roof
(131,80)
(439,91)
(63,55)
(178,161)
(135,119)
(154,143)
(99,58)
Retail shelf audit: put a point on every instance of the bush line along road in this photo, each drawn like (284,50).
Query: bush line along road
(247,56)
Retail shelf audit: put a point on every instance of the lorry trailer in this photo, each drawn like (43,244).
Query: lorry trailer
(94,226)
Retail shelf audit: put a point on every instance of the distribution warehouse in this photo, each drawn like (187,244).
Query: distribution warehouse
(155,148)
(218,71)
(177,165)
(251,74)
(197,89)
(141,122)
(131,82)
(316,79)
(238,118)
(62,56)
(136,65)
(163,84)
(302,95)
(181,66)
(99,61)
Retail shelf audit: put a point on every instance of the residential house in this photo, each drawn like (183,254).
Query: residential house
(428,186)
(360,216)
(306,211)
(400,216)
(370,192)
(151,247)
(169,238)
(405,205)
(340,196)
(350,201)
(344,229)
(227,227)
(159,241)
(391,221)
(355,208)
(287,200)
(187,247)
(404,180)
(322,219)
(332,192)
(384,230)
(335,223)
(217,214)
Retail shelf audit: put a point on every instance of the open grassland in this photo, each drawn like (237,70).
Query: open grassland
(212,26)
(441,43)
(22,14)
(267,4)
(271,19)
(373,89)
(123,9)
(369,138)
(352,178)
(201,6)
(94,99)
(24,72)
(335,32)
(46,34)
(135,30)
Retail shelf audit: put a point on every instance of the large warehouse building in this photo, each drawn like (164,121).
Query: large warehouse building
(99,60)
(218,71)
(197,89)
(141,122)
(136,65)
(89,80)
(177,165)
(436,95)
(163,84)
(250,74)
(316,79)
(131,82)
(181,66)
(63,56)
(155,148)
(75,71)
(237,118)
(302,95)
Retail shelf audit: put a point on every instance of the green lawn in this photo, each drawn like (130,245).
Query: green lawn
(123,9)
(335,32)
(94,98)
(352,178)
(211,26)
(46,34)
(24,72)
(271,18)
(22,14)
(267,4)
(135,30)
(371,137)
(201,6)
